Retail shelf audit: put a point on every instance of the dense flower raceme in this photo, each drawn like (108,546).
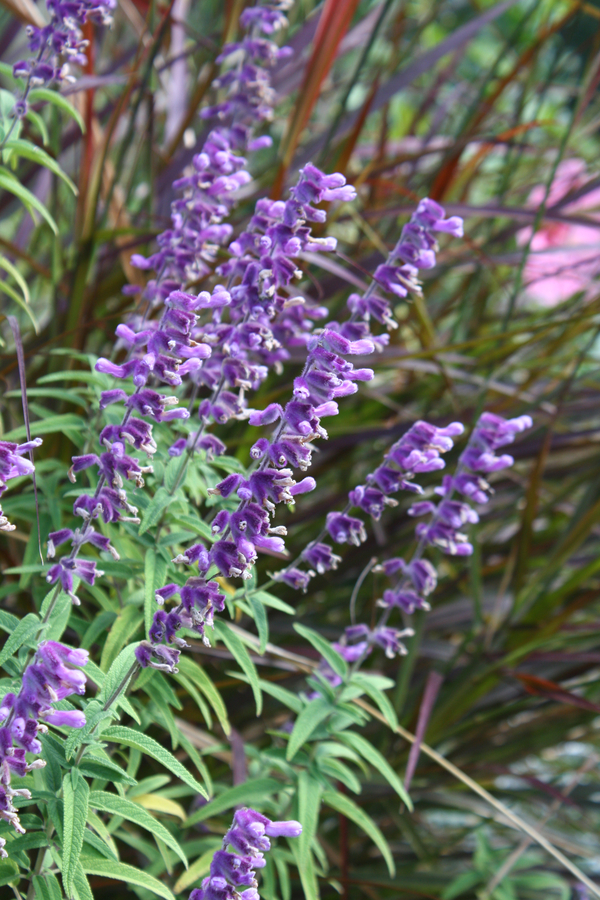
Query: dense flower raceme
(12,465)
(187,250)
(60,43)
(416,579)
(447,519)
(263,320)
(326,377)
(416,452)
(175,346)
(232,871)
(51,676)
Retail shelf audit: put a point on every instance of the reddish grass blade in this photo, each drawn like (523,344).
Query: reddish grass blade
(553,691)
(333,25)
(423,63)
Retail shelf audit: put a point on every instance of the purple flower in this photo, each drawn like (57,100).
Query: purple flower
(404,599)
(296,578)
(346,529)
(12,465)
(157,656)
(389,640)
(68,568)
(321,557)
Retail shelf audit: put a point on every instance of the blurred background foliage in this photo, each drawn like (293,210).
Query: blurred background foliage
(477,104)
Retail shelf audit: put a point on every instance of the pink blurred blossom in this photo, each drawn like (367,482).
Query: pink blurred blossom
(563,258)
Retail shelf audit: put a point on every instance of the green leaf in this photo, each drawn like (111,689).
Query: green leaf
(29,151)
(81,886)
(349,808)
(23,633)
(461,884)
(262,623)
(154,510)
(114,677)
(252,791)
(12,270)
(340,772)
(311,716)
(242,657)
(39,123)
(47,887)
(50,425)
(9,183)
(377,760)
(121,632)
(105,769)
(9,871)
(198,676)
(8,622)
(197,526)
(59,617)
(75,796)
(274,602)
(335,659)
(308,875)
(364,682)
(133,812)
(196,871)
(120,735)
(309,804)
(172,470)
(155,569)
(119,871)
(9,290)
(58,100)
(288,698)
(7,105)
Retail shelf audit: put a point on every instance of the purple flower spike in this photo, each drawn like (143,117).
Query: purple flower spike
(249,837)
(50,677)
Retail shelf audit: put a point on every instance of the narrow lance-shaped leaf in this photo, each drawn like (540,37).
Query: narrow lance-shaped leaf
(133,812)
(75,796)
(351,810)
(335,659)
(121,735)
(377,760)
(242,657)
(309,719)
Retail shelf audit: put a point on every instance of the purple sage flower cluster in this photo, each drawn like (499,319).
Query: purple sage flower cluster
(417,451)
(187,250)
(51,676)
(418,578)
(12,465)
(60,43)
(263,318)
(232,872)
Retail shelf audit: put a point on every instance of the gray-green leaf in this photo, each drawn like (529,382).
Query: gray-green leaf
(133,812)
(75,795)
(121,735)
(310,717)
(349,808)
(335,659)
